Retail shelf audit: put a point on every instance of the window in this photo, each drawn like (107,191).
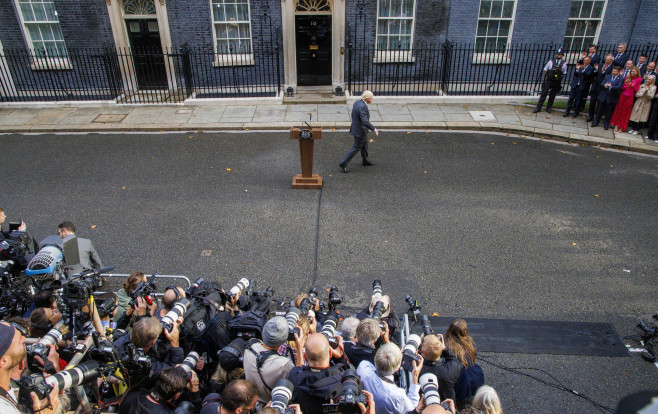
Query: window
(494,30)
(42,30)
(584,24)
(232,32)
(395,27)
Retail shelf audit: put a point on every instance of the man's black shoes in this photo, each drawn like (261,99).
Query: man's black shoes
(536,110)
(594,124)
(549,110)
(566,114)
(368,163)
(343,168)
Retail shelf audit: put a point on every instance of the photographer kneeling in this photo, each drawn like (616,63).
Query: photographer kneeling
(161,399)
(12,356)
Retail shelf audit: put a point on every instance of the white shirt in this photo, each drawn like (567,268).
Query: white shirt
(6,406)
(549,66)
(389,398)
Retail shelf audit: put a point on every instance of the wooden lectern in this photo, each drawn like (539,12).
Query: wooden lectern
(306,180)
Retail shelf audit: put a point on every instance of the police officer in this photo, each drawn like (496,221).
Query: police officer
(555,70)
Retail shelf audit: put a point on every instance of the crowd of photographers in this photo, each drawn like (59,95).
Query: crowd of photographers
(209,350)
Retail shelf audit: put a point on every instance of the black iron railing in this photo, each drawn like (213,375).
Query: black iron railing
(138,75)
(461,69)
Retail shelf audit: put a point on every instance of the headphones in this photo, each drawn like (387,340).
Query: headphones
(175,289)
(42,327)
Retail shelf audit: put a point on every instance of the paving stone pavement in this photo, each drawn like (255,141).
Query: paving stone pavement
(506,118)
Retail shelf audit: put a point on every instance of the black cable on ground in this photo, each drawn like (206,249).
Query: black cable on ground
(558,385)
(317,240)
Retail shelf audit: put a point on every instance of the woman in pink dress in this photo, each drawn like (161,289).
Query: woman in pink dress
(622,112)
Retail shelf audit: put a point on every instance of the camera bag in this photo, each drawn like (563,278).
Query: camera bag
(251,322)
(206,304)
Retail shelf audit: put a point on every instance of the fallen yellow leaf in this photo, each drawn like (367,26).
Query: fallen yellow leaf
(228,169)
(123,188)
(435,314)
(562,152)
(612,166)
(372,140)
(574,244)
(408,132)
(424,172)
(596,195)
(93,227)
(513,143)
(333,129)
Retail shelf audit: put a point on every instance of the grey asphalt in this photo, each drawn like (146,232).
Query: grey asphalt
(471,224)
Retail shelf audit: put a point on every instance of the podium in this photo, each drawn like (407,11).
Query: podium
(306,180)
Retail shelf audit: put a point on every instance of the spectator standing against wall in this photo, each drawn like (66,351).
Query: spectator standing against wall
(622,113)
(642,105)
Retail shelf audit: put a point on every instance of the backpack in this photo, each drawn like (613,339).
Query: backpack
(469,381)
(247,325)
(206,303)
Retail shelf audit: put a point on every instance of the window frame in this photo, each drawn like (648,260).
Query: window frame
(42,62)
(401,55)
(572,56)
(489,58)
(232,59)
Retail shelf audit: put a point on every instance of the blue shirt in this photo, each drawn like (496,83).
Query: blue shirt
(389,398)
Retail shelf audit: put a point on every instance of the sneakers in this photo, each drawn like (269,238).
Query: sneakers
(634,132)
(630,131)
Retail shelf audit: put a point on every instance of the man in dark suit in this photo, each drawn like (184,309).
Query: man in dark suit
(596,59)
(601,72)
(79,253)
(651,70)
(582,78)
(608,97)
(642,64)
(621,57)
(626,70)
(359,129)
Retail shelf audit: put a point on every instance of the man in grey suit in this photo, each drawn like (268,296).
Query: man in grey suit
(360,126)
(79,253)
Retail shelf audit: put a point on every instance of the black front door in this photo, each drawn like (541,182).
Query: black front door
(147,53)
(313,49)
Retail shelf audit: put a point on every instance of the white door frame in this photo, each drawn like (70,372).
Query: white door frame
(289,32)
(122,43)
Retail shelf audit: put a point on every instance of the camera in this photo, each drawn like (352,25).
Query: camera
(40,349)
(581,61)
(144,290)
(313,293)
(409,352)
(81,374)
(281,394)
(430,386)
(177,310)
(136,361)
(334,298)
(184,407)
(377,312)
(103,351)
(414,307)
(292,316)
(194,286)
(189,363)
(78,290)
(239,287)
(305,306)
(351,394)
(329,328)
(376,287)
(427,325)
(106,307)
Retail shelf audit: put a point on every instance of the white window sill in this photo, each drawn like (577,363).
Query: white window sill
(246,59)
(491,59)
(394,56)
(51,64)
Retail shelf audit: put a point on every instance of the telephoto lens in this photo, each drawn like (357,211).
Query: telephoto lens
(313,293)
(189,363)
(329,328)
(178,310)
(427,325)
(239,287)
(305,306)
(430,386)
(194,286)
(376,287)
(409,354)
(292,316)
(40,349)
(377,311)
(334,298)
(281,394)
(81,374)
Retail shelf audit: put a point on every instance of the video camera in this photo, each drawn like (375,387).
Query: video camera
(136,361)
(79,289)
(414,307)
(144,290)
(351,395)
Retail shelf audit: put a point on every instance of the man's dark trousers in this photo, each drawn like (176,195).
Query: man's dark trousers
(360,145)
(551,88)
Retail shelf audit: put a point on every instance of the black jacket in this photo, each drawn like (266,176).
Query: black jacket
(356,353)
(447,370)
(314,387)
